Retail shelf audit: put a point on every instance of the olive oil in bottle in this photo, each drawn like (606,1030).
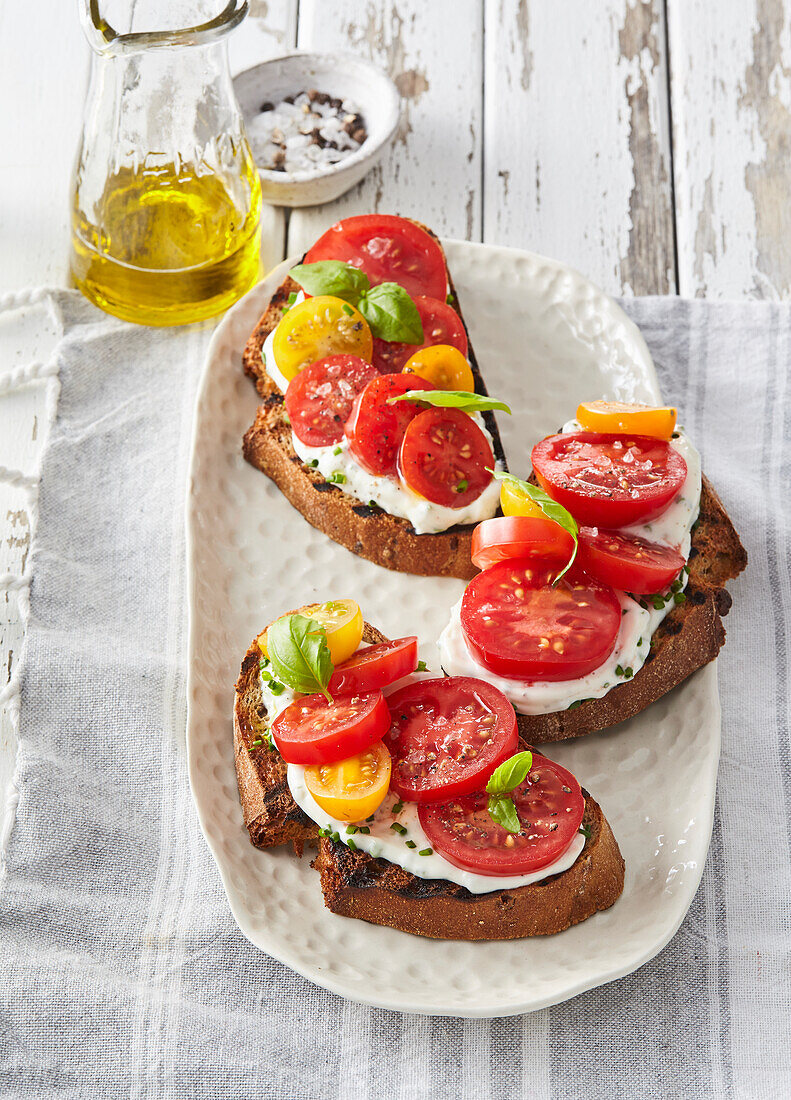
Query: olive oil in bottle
(166,243)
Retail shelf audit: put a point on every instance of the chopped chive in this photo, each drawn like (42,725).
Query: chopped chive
(574,705)
(313,463)
(351,830)
(659,603)
(364,829)
(584,829)
(347,309)
(397,827)
(337,450)
(628,673)
(679,598)
(426,852)
(276,688)
(686,570)
(286,417)
(676,435)
(410,844)
(398,806)
(462,486)
(618,670)
(263,357)
(337,478)
(335,836)
(350,844)
(639,641)
(370,818)
(258,741)
(292,297)
(451,298)
(422,666)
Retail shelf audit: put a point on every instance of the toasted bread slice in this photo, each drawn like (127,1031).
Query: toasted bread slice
(271,815)
(688,638)
(355,884)
(364,529)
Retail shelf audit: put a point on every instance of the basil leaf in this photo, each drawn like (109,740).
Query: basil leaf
(453,399)
(503,811)
(299,654)
(391,314)
(551,509)
(510,774)
(332,277)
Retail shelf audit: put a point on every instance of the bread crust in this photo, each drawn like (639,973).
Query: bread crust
(366,530)
(356,885)
(271,816)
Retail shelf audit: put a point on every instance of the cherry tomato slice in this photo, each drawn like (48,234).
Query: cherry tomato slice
(375,667)
(375,428)
(447,736)
(444,457)
(320,398)
(546,543)
(632,564)
(313,731)
(444,366)
(609,480)
(441,325)
(520,626)
(388,249)
(317,328)
(351,789)
(550,807)
(619,417)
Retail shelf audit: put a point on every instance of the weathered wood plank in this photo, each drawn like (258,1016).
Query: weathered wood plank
(434,52)
(731,100)
(269,31)
(577,146)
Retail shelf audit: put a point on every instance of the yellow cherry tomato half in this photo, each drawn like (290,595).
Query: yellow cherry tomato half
(319,327)
(343,624)
(616,416)
(444,366)
(351,789)
(515,502)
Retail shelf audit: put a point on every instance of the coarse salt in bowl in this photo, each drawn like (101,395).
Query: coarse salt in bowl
(360,85)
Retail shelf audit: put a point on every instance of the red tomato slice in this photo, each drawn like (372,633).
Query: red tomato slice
(609,480)
(313,731)
(444,457)
(518,625)
(441,325)
(447,736)
(546,543)
(375,429)
(549,804)
(632,564)
(375,667)
(387,249)
(320,398)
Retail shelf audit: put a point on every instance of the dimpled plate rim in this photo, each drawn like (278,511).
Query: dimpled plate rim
(524,312)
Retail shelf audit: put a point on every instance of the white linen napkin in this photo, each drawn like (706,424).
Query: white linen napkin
(123,973)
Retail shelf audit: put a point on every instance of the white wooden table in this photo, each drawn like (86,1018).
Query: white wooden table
(644,142)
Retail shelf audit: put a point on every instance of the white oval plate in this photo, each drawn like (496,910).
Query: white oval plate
(545,339)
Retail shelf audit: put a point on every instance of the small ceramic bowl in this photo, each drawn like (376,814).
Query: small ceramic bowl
(340,75)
